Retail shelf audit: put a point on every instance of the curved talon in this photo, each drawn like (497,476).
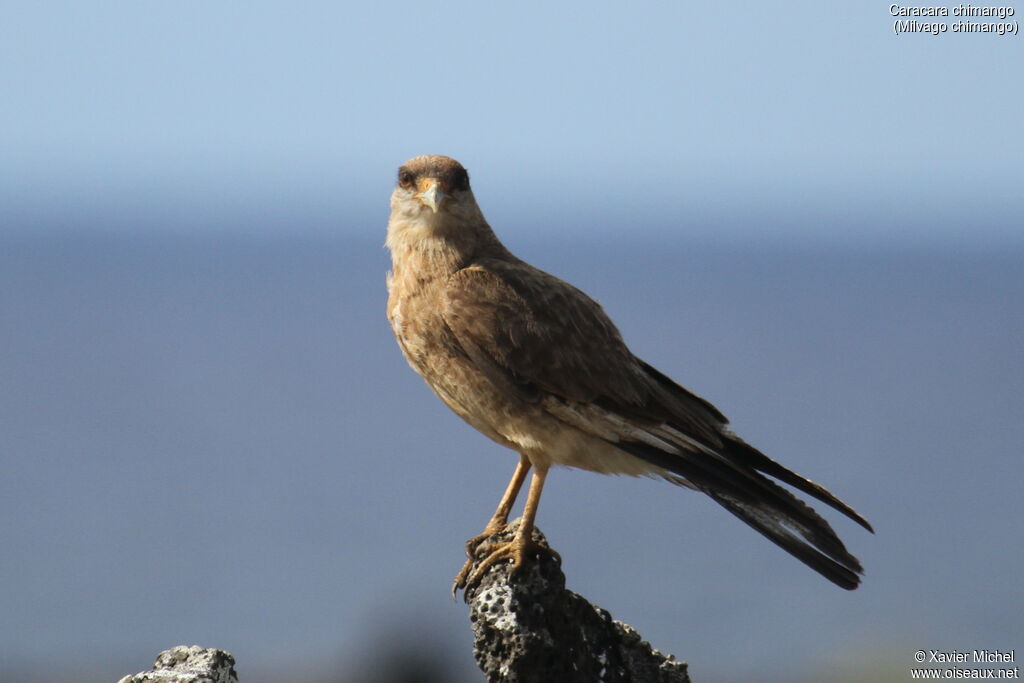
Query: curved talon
(472,546)
(502,552)
(460,578)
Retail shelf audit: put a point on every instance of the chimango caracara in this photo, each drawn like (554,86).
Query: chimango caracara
(536,365)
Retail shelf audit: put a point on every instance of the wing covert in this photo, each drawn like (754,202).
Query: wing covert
(531,333)
(540,334)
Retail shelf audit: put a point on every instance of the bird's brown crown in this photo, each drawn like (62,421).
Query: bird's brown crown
(448,171)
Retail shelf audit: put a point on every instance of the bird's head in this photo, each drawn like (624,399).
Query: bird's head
(434,182)
(433,208)
(431,190)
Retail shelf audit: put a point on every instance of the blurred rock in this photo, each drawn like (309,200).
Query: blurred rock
(189,664)
(528,628)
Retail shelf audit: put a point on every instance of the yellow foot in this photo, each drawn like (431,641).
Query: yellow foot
(492,529)
(519,550)
(472,545)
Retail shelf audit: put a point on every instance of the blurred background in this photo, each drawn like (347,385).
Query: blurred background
(208,434)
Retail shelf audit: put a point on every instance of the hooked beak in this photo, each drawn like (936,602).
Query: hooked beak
(430,193)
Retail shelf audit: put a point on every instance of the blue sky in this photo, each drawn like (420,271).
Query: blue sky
(727,121)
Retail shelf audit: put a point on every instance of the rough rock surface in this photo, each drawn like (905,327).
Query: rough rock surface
(528,629)
(189,664)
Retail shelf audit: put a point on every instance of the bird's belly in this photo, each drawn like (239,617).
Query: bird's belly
(548,441)
(527,427)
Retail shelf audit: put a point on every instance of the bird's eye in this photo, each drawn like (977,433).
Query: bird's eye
(405,178)
(461,180)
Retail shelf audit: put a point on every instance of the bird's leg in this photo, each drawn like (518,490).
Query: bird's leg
(522,544)
(498,521)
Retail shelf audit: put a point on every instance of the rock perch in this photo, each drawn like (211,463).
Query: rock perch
(189,664)
(528,628)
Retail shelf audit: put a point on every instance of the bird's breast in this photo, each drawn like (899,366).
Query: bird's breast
(415,313)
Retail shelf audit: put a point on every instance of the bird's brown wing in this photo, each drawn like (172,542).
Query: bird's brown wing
(540,339)
(535,335)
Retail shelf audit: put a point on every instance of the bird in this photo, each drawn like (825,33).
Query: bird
(537,366)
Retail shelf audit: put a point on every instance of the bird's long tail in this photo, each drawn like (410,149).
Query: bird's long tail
(732,477)
(810,539)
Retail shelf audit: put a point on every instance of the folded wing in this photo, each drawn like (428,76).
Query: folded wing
(541,340)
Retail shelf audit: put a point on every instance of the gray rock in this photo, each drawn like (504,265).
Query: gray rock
(189,664)
(528,628)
